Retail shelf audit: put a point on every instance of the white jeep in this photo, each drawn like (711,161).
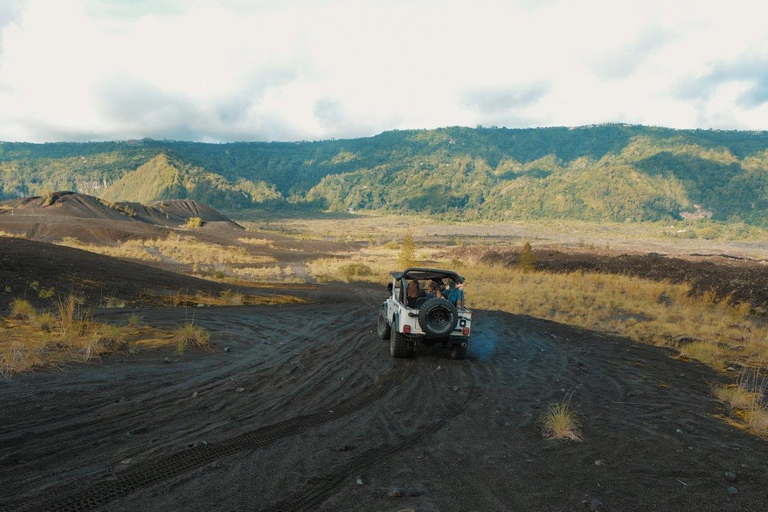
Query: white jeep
(410,318)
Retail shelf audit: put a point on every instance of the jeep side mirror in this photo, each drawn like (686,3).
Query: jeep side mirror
(389,287)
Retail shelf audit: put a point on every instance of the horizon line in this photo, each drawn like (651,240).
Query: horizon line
(304,141)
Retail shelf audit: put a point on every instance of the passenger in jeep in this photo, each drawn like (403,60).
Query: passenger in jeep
(433,290)
(453,293)
(413,293)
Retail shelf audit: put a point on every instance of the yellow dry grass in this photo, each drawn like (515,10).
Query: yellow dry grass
(175,248)
(263,242)
(756,420)
(193,222)
(559,422)
(12,235)
(268,274)
(708,353)
(44,339)
(132,249)
(372,264)
(658,313)
(231,298)
(21,309)
(737,396)
(228,298)
(188,334)
(747,398)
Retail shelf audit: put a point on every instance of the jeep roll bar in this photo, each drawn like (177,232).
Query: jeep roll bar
(421,274)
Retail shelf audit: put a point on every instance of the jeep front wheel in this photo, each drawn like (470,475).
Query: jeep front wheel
(383,328)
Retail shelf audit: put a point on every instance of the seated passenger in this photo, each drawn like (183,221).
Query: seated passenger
(433,290)
(453,293)
(413,293)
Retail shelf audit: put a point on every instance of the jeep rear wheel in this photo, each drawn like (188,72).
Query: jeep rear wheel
(399,346)
(458,352)
(383,328)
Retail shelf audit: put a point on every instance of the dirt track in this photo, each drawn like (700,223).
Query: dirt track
(322,403)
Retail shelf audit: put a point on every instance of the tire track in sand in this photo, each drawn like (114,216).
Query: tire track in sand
(185,461)
(321,489)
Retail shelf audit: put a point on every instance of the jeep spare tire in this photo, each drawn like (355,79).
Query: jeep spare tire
(438,317)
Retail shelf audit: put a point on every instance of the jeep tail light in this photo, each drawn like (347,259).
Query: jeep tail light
(406,329)
(465,331)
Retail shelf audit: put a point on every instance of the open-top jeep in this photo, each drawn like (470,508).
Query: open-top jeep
(410,315)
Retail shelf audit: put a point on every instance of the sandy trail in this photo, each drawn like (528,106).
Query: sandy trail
(322,403)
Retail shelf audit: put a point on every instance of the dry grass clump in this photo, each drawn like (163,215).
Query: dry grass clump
(351,271)
(756,419)
(21,309)
(131,249)
(19,357)
(658,313)
(737,396)
(79,331)
(192,251)
(46,339)
(134,320)
(340,269)
(256,241)
(12,235)
(187,334)
(193,222)
(231,298)
(747,397)
(176,248)
(559,422)
(707,352)
(269,274)
(45,321)
(369,264)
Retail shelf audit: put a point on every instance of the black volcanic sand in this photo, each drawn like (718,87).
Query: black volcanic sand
(307,400)
(743,280)
(95,277)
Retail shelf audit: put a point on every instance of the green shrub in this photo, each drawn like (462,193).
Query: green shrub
(135,320)
(351,270)
(46,293)
(527,258)
(193,222)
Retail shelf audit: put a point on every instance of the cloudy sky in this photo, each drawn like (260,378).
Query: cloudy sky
(74,70)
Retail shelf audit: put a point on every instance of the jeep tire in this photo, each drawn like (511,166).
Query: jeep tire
(458,352)
(438,317)
(399,346)
(382,327)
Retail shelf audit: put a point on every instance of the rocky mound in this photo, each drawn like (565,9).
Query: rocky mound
(175,212)
(88,218)
(63,204)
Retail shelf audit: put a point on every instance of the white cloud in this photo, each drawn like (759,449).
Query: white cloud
(237,70)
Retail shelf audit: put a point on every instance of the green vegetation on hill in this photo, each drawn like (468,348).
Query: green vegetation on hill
(167,178)
(599,173)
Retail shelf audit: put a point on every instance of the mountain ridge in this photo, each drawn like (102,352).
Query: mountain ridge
(597,173)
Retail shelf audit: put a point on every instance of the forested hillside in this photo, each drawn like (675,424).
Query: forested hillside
(606,172)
